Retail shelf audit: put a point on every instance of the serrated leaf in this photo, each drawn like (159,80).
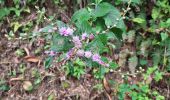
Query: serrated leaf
(102,9)
(80,18)
(113,19)
(81,15)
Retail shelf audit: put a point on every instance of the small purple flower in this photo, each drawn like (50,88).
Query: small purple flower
(62,31)
(40,30)
(84,36)
(80,53)
(101,62)
(87,54)
(47,52)
(69,53)
(52,53)
(66,31)
(69,31)
(96,57)
(77,42)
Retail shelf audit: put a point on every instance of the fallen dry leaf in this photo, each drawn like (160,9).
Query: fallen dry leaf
(106,85)
(27,51)
(27,85)
(107,88)
(31,59)
(17,79)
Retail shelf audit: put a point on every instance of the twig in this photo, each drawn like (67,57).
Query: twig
(164,58)
(5,63)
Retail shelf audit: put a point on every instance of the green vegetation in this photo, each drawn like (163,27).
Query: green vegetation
(85,49)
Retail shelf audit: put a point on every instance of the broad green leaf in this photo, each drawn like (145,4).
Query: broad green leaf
(4,12)
(81,15)
(98,44)
(155,13)
(164,36)
(113,19)
(102,9)
(80,18)
(60,43)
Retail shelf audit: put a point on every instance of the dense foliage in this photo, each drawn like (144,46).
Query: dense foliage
(129,38)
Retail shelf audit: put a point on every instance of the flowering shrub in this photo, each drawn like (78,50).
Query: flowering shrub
(87,37)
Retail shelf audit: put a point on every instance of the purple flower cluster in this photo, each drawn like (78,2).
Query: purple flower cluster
(66,31)
(77,42)
(97,58)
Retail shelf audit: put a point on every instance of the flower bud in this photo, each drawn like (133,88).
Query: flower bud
(91,37)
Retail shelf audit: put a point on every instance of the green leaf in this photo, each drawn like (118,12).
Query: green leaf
(113,65)
(61,43)
(47,28)
(4,12)
(164,36)
(138,20)
(16,26)
(117,32)
(155,13)
(80,18)
(4,87)
(48,62)
(81,15)
(98,43)
(102,9)
(158,76)
(143,62)
(60,24)
(80,62)
(113,19)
